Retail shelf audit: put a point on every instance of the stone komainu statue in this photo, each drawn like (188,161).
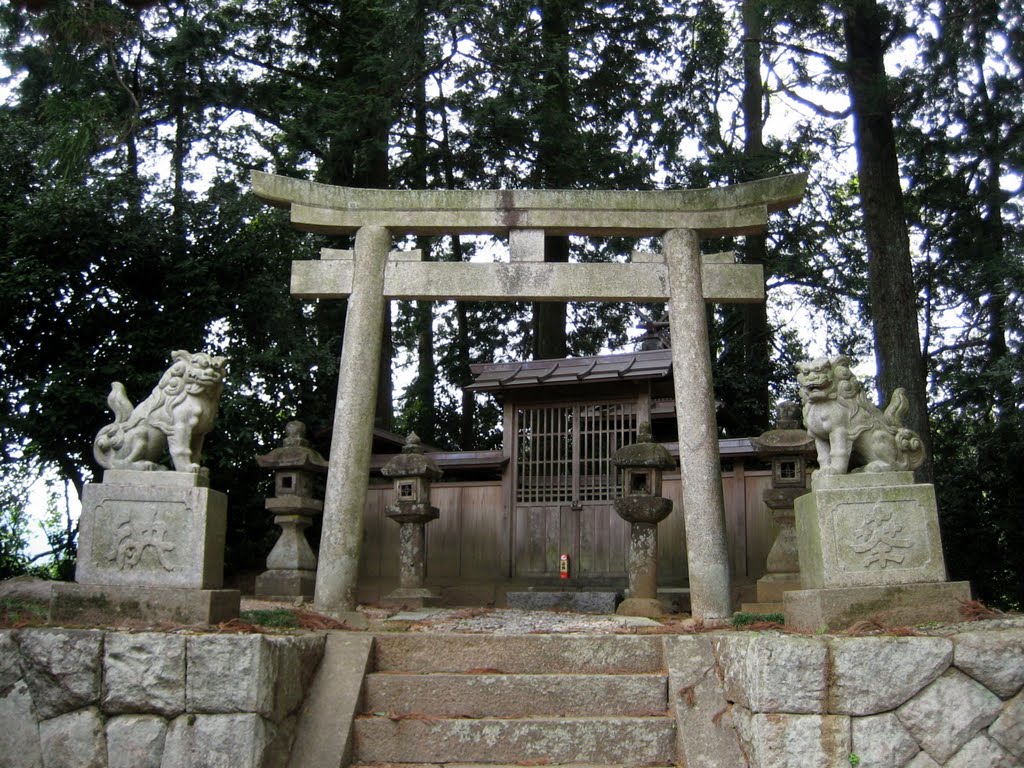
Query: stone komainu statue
(848,429)
(174,418)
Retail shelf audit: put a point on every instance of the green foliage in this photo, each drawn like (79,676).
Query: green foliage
(742,619)
(276,617)
(20,613)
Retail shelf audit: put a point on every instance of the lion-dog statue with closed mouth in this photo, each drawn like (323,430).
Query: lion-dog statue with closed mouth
(849,431)
(174,418)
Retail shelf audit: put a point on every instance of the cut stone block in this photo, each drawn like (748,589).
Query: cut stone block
(994,659)
(1008,729)
(19,735)
(62,668)
(876,674)
(296,660)
(881,741)
(949,713)
(982,752)
(216,741)
(868,530)
(774,673)
(10,660)
(616,741)
(771,586)
(522,695)
(705,729)
(143,673)
(603,654)
(158,529)
(281,584)
(894,605)
(135,741)
(797,741)
(230,673)
(922,760)
(74,740)
(324,730)
(94,602)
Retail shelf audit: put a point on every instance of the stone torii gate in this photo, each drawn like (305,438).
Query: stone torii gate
(372,274)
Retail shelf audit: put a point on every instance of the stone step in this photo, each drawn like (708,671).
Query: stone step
(519,654)
(635,741)
(492,765)
(492,695)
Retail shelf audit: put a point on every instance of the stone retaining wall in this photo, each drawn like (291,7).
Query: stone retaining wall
(95,699)
(88,698)
(767,699)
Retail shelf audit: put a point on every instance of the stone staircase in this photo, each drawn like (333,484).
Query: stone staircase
(515,700)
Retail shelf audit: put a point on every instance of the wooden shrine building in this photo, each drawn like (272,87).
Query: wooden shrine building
(507,516)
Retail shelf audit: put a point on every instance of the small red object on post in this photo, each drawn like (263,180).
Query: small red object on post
(563,566)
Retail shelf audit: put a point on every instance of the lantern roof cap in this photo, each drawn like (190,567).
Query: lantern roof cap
(644,453)
(412,462)
(295,452)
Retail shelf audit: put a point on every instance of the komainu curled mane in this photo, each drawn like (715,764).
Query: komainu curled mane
(850,432)
(174,418)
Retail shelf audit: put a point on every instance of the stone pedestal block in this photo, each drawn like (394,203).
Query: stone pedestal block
(151,546)
(870,550)
(161,529)
(285,584)
(869,529)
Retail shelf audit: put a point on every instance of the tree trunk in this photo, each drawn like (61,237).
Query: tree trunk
(891,282)
(755,341)
(555,165)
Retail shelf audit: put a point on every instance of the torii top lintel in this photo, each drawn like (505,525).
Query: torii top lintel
(733,210)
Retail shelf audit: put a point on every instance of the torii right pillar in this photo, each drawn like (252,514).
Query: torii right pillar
(707,554)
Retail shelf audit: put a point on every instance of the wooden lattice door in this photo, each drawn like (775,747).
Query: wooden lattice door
(564,484)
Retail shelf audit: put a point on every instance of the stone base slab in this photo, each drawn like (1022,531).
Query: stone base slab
(770,587)
(285,584)
(640,606)
(98,603)
(894,605)
(152,529)
(406,597)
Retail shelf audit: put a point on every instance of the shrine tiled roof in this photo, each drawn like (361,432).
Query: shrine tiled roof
(494,377)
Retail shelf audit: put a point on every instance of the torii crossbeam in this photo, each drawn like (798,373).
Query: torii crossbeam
(371,274)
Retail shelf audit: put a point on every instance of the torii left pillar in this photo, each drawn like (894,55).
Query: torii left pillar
(352,434)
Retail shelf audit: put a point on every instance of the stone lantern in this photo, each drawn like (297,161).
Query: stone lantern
(787,447)
(643,507)
(412,472)
(291,564)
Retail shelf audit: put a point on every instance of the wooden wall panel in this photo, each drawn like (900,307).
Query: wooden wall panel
(672,567)
(474,540)
(761,529)
(444,539)
(485,533)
